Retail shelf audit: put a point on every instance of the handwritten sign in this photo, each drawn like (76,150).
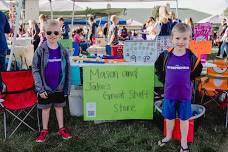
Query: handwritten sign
(200,47)
(140,51)
(202,31)
(120,92)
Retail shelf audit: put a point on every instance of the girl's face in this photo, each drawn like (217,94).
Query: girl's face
(53,34)
(181,41)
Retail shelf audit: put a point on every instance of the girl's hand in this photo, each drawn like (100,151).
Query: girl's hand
(44,95)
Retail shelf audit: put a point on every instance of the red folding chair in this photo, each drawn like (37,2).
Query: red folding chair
(18,99)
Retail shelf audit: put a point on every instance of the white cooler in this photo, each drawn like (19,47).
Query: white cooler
(75,101)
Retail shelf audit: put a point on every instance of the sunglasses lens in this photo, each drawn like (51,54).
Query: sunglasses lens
(48,32)
(56,33)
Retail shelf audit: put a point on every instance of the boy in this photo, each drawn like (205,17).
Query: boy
(176,69)
(51,74)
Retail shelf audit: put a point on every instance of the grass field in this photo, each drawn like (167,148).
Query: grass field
(120,136)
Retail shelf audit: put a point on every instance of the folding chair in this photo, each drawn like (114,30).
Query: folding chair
(215,83)
(18,99)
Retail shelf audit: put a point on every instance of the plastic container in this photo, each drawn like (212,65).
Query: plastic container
(75,101)
(197,110)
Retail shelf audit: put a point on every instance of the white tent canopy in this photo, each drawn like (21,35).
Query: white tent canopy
(131,22)
(214,19)
(3,5)
(59,5)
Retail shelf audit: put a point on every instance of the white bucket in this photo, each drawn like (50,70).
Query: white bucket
(75,101)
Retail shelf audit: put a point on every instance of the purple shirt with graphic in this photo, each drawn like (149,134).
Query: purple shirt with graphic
(177,82)
(53,68)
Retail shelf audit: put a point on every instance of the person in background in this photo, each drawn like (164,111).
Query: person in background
(174,19)
(224,46)
(153,28)
(4,28)
(105,30)
(42,20)
(123,33)
(176,69)
(33,32)
(77,36)
(92,34)
(189,22)
(220,33)
(113,32)
(65,29)
(165,21)
(51,73)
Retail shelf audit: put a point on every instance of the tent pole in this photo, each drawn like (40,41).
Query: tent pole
(177,8)
(18,13)
(72,21)
(51,9)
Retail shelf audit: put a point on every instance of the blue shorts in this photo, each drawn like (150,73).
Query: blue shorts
(172,109)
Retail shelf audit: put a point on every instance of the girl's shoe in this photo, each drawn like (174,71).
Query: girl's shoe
(184,149)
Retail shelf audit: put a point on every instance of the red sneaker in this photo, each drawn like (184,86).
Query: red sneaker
(64,133)
(42,136)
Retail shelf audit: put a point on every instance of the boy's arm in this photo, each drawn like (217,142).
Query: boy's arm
(36,71)
(197,71)
(159,71)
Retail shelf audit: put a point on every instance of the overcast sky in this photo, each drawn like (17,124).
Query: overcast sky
(208,6)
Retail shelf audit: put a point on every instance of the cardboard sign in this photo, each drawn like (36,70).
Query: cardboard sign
(119,92)
(200,47)
(140,51)
(202,31)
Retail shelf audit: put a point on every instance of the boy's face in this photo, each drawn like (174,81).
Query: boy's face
(53,34)
(181,41)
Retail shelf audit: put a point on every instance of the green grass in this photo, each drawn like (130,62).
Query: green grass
(120,136)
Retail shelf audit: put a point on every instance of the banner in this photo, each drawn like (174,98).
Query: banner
(117,92)
(202,31)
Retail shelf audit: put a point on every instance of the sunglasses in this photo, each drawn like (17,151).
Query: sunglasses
(50,32)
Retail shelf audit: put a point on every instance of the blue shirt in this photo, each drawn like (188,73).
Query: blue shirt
(4,28)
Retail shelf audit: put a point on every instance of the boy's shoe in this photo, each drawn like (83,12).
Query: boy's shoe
(64,133)
(42,136)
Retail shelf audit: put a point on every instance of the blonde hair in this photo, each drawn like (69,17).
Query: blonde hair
(51,23)
(113,18)
(163,14)
(181,28)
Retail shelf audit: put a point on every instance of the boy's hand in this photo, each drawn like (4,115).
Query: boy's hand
(44,95)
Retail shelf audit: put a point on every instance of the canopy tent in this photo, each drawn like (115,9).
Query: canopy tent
(103,20)
(76,21)
(59,5)
(214,19)
(131,22)
(4,5)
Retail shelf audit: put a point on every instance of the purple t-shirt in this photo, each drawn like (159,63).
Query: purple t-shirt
(177,82)
(53,68)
